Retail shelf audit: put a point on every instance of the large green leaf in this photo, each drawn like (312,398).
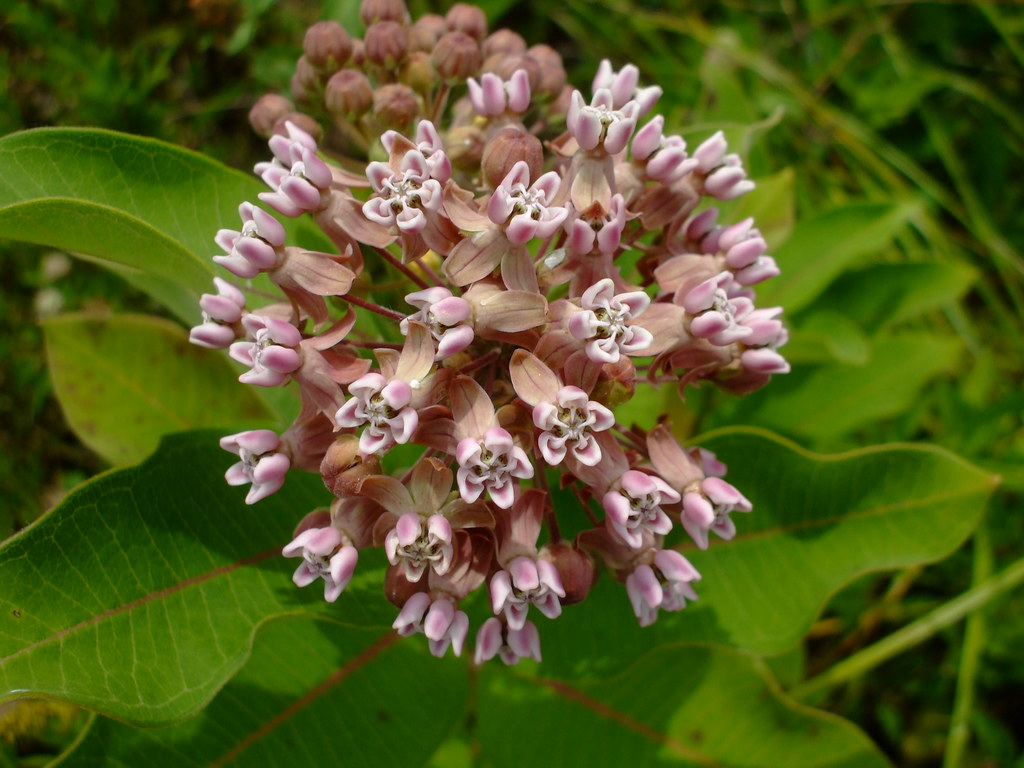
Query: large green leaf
(819,522)
(334,695)
(820,248)
(124,381)
(830,401)
(679,705)
(313,694)
(885,294)
(146,209)
(140,593)
(136,202)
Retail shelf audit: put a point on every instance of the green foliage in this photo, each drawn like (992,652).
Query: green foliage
(124,381)
(180,583)
(885,141)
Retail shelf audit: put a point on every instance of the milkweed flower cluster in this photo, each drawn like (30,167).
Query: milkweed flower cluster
(510,260)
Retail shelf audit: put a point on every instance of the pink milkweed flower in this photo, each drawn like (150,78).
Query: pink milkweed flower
(532,214)
(603,230)
(566,415)
(272,354)
(256,248)
(634,507)
(717,316)
(623,86)
(383,406)
(496,638)
(296,174)
(526,581)
(220,312)
(447,317)
(570,421)
(403,193)
(665,583)
(664,157)
(601,323)
(428,143)
(384,403)
(438,619)
(708,509)
(416,544)
(325,555)
(526,576)
(261,463)
(600,124)
(724,176)
(489,460)
(493,96)
(491,463)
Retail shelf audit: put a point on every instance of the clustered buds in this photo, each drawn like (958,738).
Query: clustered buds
(512,261)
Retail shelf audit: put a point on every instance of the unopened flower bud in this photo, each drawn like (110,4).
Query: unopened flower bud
(358,57)
(327,46)
(465,147)
(418,73)
(576,569)
(466,18)
(552,71)
(348,94)
(503,41)
(395,106)
(306,76)
(508,65)
(267,111)
(397,588)
(372,11)
(508,147)
(424,34)
(342,468)
(456,56)
(386,43)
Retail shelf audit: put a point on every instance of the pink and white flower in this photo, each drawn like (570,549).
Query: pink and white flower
(438,619)
(273,352)
(634,507)
(665,583)
(261,463)
(496,638)
(325,555)
(708,508)
(602,323)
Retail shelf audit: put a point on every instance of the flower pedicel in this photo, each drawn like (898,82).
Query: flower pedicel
(557,250)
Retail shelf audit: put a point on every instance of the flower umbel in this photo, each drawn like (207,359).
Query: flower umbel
(511,263)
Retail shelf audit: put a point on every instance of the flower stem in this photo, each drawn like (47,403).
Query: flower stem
(376,308)
(970,655)
(397,264)
(914,633)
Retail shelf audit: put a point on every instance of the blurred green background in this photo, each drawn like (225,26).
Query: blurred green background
(888,143)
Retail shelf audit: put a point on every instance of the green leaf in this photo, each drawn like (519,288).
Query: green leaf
(772,204)
(883,295)
(146,209)
(313,693)
(822,247)
(826,336)
(819,522)
(358,698)
(681,705)
(124,381)
(139,595)
(832,401)
(135,202)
